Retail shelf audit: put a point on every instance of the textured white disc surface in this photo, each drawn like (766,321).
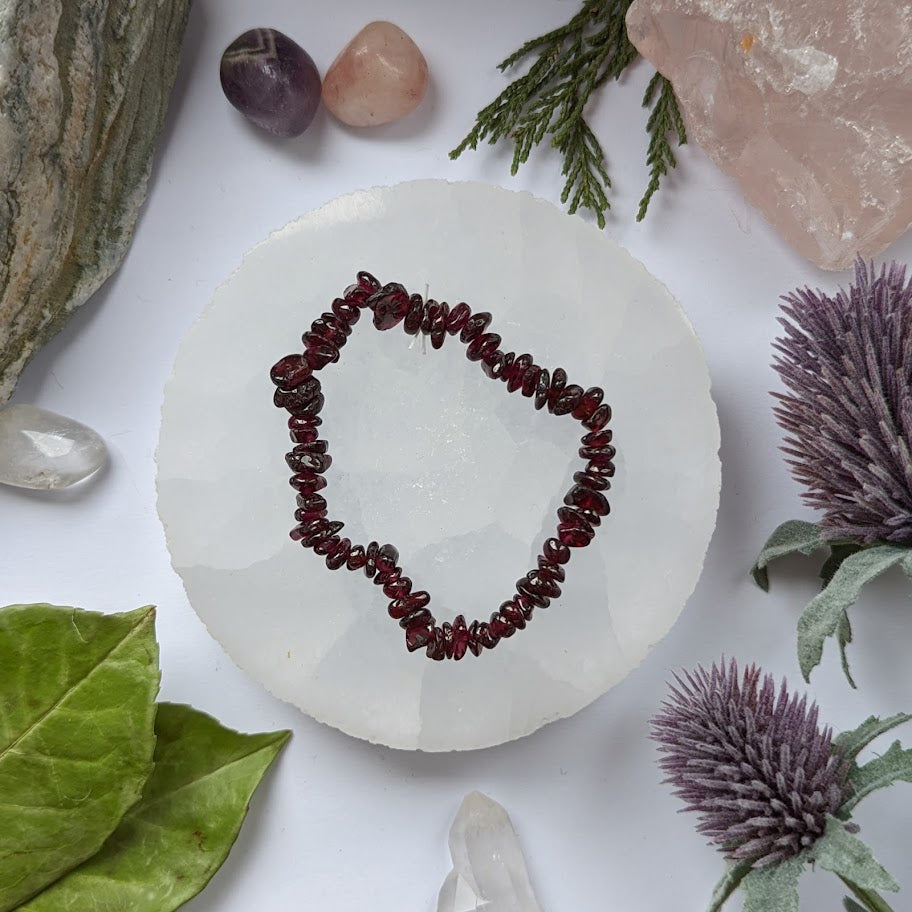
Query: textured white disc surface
(431,455)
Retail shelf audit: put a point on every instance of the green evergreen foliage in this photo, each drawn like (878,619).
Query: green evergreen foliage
(571,63)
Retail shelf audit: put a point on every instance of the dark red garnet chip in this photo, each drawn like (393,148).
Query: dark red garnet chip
(414,315)
(300,393)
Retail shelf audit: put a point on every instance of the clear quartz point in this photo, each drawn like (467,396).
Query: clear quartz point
(43,450)
(489,870)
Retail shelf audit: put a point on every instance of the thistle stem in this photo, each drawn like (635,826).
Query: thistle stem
(870,899)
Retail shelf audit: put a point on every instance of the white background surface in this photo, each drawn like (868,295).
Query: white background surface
(340,824)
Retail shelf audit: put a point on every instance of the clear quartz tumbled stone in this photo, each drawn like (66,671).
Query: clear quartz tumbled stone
(489,870)
(43,450)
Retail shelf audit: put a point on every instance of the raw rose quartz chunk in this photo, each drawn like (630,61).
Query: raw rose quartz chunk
(379,77)
(806,105)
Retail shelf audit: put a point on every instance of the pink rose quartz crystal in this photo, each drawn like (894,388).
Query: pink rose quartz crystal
(808,105)
(379,77)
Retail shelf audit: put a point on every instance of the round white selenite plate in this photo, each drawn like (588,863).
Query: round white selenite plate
(431,455)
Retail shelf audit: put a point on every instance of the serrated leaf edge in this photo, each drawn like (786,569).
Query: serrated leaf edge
(875,728)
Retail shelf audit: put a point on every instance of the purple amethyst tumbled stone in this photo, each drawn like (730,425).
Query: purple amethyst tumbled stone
(271,80)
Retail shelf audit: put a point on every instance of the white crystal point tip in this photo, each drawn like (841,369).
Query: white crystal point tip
(478,805)
(43,451)
(488,866)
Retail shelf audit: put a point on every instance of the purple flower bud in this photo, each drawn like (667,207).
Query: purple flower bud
(756,768)
(847,363)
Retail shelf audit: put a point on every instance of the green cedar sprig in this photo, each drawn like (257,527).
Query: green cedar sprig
(571,63)
(664,119)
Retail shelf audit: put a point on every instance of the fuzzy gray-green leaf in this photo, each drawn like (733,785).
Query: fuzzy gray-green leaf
(773,888)
(907,564)
(845,854)
(893,766)
(730,882)
(77,704)
(823,615)
(843,638)
(170,844)
(853,742)
(839,551)
(793,537)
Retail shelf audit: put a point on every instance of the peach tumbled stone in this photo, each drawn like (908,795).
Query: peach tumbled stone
(379,77)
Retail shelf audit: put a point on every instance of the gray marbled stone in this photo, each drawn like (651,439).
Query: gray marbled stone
(84,95)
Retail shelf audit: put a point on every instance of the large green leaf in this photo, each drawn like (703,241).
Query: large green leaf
(907,564)
(853,742)
(793,537)
(881,772)
(839,551)
(845,854)
(170,844)
(730,882)
(775,887)
(77,706)
(824,614)
(871,900)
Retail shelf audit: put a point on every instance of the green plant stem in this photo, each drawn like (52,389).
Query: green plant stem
(870,899)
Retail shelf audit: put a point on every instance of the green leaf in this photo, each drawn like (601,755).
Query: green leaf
(843,638)
(839,551)
(773,888)
(823,615)
(730,882)
(170,844)
(792,537)
(845,854)
(871,900)
(881,772)
(907,564)
(853,742)
(77,704)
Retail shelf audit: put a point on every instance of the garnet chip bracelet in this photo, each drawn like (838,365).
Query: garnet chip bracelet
(299,392)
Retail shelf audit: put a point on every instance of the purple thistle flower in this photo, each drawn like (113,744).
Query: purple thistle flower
(759,772)
(847,362)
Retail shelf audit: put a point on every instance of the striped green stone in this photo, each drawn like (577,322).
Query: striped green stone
(84,95)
